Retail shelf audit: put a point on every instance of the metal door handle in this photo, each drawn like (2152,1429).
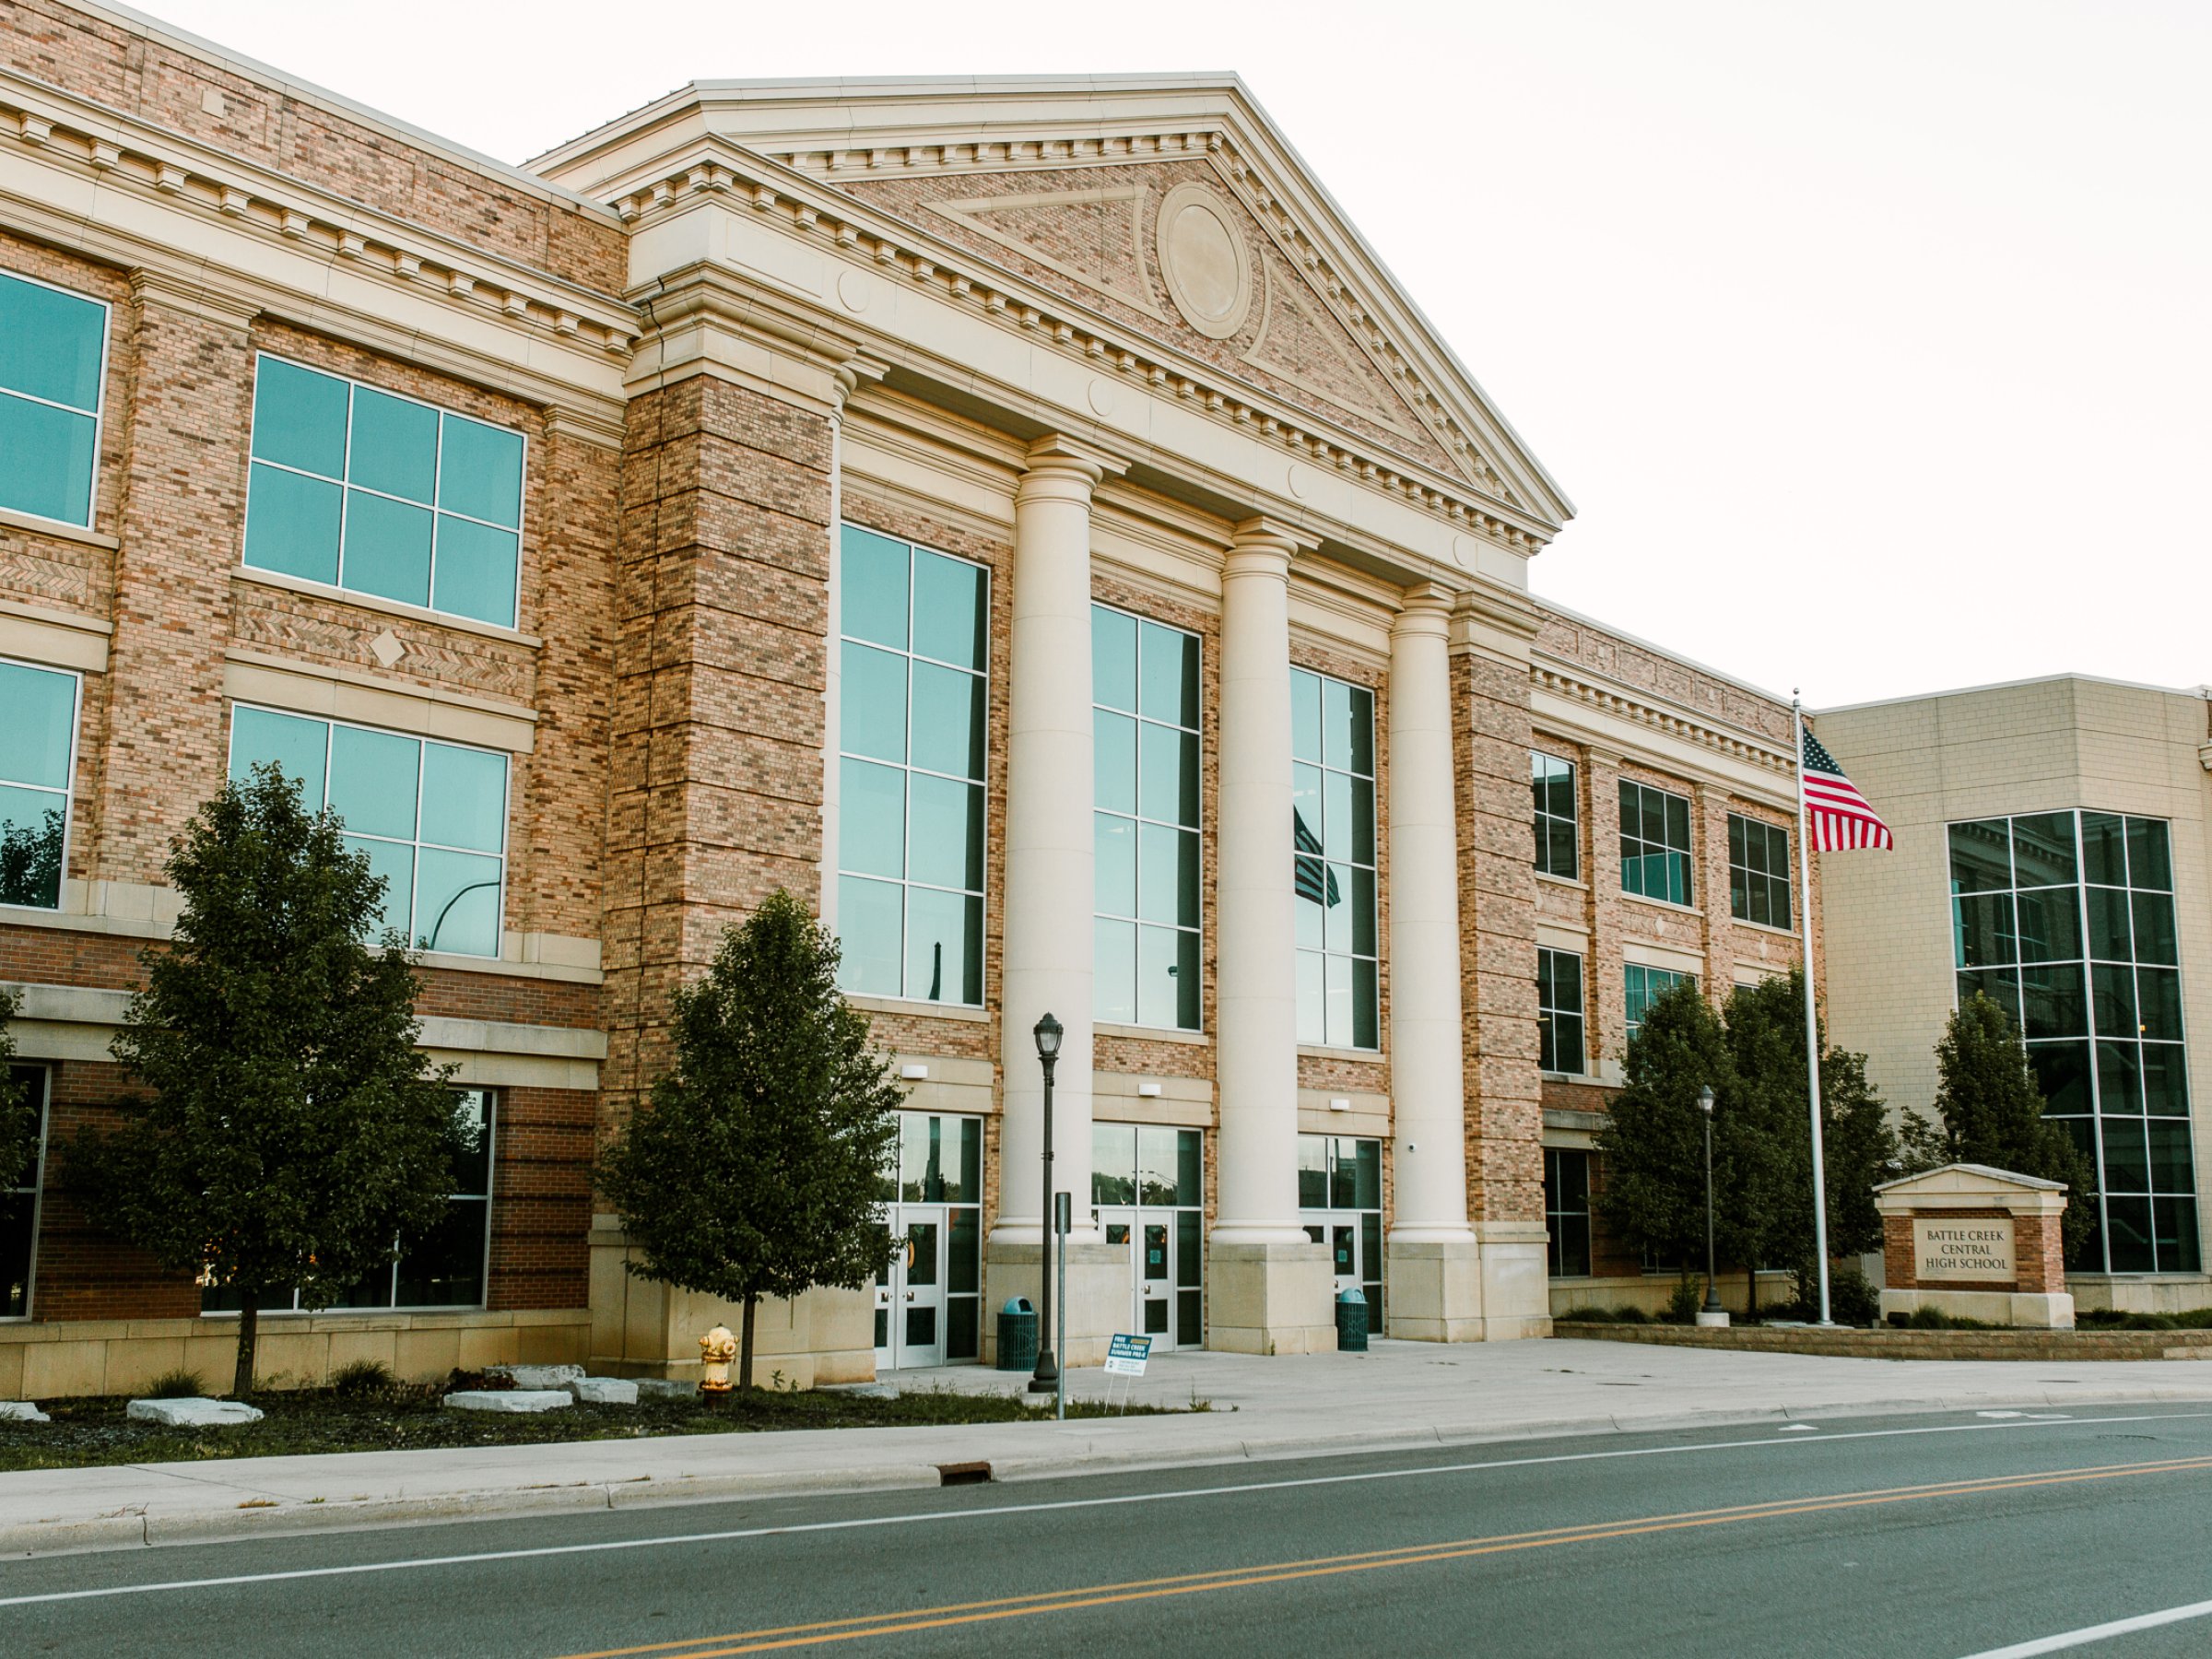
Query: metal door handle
(910,1296)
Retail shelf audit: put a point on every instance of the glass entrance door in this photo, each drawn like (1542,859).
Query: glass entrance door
(911,1323)
(1340,1203)
(928,1292)
(1146,1191)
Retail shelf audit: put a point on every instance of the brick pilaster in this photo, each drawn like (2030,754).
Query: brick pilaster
(1498,904)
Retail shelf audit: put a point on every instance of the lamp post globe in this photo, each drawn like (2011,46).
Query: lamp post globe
(1712,1294)
(1045,1379)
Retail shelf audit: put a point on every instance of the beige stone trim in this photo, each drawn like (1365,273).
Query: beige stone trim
(53,638)
(918,1009)
(1181,1103)
(334,693)
(1367,1115)
(12,520)
(1153,1033)
(1646,955)
(953,1085)
(1564,936)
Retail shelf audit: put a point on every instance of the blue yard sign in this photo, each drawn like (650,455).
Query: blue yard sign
(1125,1356)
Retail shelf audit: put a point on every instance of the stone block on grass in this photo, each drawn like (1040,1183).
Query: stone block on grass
(23,1411)
(536,1376)
(511,1399)
(603,1390)
(191,1413)
(667,1388)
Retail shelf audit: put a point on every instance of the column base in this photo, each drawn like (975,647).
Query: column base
(1435,1291)
(1098,1294)
(1516,1279)
(1270,1298)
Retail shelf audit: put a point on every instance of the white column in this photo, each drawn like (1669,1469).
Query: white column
(1268,1285)
(1046,908)
(1427,1091)
(1256,986)
(1433,1265)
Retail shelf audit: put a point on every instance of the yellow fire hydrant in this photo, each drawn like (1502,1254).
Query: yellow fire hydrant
(717,1349)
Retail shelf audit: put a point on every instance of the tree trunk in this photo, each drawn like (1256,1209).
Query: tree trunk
(249,1333)
(744,1343)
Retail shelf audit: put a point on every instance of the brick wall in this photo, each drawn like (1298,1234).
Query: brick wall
(722,606)
(292,132)
(1497,910)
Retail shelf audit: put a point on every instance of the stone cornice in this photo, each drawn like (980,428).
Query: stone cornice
(117,152)
(862,237)
(1566,681)
(845,132)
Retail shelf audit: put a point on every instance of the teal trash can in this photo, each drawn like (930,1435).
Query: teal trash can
(1351,1323)
(1017,1336)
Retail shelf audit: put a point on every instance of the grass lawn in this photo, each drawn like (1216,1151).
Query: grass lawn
(405,1416)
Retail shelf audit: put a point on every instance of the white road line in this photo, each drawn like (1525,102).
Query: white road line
(662,1542)
(2103,1632)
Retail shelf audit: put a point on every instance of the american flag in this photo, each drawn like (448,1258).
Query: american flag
(1839,815)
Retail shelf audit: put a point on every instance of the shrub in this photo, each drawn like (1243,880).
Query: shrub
(363,1377)
(1850,1300)
(177,1385)
(1591,1315)
(1683,1303)
(1924,1318)
(1630,1316)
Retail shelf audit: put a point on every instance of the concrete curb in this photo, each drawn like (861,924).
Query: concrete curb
(136,1528)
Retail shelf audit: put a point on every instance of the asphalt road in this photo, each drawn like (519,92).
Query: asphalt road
(1941,1537)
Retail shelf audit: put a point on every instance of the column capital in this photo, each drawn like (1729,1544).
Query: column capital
(1497,622)
(178,293)
(1058,464)
(850,375)
(1424,608)
(1265,547)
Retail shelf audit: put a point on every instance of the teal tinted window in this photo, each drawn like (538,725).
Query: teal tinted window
(430,817)
(1759,872)
(480,472)
(2066,920)
(1654,843)
(37,752)
(1644,985)
(1559,1011)
(52,357)
(1333,861)
(1145,741)
(1557,813)
(384,495)
(913,713)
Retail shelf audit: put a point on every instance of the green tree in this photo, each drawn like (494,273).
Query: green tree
(291,1136)
(757,1169)
(1653,1140)
(1989,1110)
(1766,1040)
(18,1133)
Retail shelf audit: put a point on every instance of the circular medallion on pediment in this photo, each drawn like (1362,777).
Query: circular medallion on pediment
(1203,256)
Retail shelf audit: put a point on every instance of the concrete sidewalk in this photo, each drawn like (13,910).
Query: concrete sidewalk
(1400,1395)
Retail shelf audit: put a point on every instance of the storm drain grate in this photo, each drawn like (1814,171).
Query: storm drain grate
(963,1474)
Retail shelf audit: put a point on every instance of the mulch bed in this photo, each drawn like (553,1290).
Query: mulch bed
(405,1416)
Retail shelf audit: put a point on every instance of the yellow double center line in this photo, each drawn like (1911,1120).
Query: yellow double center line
(1412,1555)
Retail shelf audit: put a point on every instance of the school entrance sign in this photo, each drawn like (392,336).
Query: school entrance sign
(1975,1242)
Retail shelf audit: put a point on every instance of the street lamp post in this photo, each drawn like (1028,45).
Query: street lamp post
(1046,1379)
(1712,1294)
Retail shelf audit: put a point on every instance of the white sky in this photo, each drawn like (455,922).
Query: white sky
(1871,341)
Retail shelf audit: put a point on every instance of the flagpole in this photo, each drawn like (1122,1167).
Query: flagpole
(1812,1019)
